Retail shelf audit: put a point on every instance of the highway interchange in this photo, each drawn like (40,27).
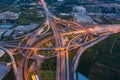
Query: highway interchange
(35,40)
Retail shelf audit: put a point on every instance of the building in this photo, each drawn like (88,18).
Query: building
(64,14)
(26,28)
(8,33)
(4,29)
(80,15)
(2,32)
(9,15)
(6,26)
(3,70)
(80,9)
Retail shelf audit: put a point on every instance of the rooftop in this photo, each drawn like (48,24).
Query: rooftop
(6,26)
(9,15)
(3,70)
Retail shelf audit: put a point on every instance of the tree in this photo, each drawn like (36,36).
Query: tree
(71,1)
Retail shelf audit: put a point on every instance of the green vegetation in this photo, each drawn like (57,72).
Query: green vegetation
(100,53)
(49,44)
(30,62)
(71,1)
(41,39)
(49,64)
(18,58)
(8,2)
(115,21)
(61,26)
(46,53)
(48,75)
(69,17)
(29,16)
(72,54)
(106,72)
(64,9)
(71,36)
(101,20)
(28,13)
(46,27)
(4,8)
(116,47)
(5,58)
(26,18)
(105,20)
(48,68)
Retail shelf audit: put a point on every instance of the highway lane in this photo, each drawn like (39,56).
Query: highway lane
(31,42)
(61,70)
(23,59)
(32,38)
(19,77)
(74,32)
(36,46)
(27,58)
(60,54)
(57,41)
(34,34)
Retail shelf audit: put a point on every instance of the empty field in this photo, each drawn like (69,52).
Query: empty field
(101,72)
(101,54)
